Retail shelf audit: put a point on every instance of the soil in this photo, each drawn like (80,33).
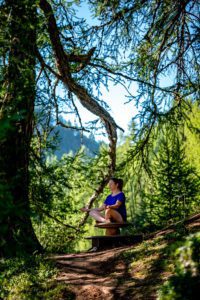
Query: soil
(104,275)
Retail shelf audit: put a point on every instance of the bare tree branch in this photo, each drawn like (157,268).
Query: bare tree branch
(106,68)
(58,121)
(44,65)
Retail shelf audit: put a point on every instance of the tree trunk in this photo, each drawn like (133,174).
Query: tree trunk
(16,111)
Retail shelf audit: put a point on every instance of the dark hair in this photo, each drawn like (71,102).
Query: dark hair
(119,181)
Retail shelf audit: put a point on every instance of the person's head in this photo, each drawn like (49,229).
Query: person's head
(115,183)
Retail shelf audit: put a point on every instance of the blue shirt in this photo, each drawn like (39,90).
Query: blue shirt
(111,200)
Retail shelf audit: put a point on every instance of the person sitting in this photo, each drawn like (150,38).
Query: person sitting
(114,205)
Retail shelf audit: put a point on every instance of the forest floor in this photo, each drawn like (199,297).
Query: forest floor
(135,272)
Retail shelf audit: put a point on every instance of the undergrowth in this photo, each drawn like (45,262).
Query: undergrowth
(30,278)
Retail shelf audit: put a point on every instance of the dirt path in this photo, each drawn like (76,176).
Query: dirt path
(93,275)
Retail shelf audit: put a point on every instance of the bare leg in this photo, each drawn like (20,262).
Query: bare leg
(114,215)
(94,213)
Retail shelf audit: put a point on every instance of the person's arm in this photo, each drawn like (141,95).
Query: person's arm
(116,205)
(85,209)
(102,207)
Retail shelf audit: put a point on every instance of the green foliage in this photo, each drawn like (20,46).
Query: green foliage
(167,189)
(184,284)
(176,189)
(58,189)
(29,278)
(192,137)
(52,202)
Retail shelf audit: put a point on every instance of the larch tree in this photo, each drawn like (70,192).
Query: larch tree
(44,47)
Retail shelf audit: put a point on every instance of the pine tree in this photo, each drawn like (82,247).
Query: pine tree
(177,185)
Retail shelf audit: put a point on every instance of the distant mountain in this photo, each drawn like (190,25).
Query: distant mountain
(71,140)
(67,139)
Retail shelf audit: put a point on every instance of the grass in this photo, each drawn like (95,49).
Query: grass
(30,278)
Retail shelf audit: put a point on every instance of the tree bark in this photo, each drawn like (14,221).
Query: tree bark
(17,107)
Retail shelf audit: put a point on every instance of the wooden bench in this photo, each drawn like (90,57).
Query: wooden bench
(106,242)
(112,228)
(113,237)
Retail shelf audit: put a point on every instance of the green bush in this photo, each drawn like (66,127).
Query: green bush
(185,283)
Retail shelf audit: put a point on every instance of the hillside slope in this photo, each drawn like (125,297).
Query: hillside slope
(135,272)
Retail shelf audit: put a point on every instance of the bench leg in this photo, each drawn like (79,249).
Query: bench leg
(112,231)
(95,245)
